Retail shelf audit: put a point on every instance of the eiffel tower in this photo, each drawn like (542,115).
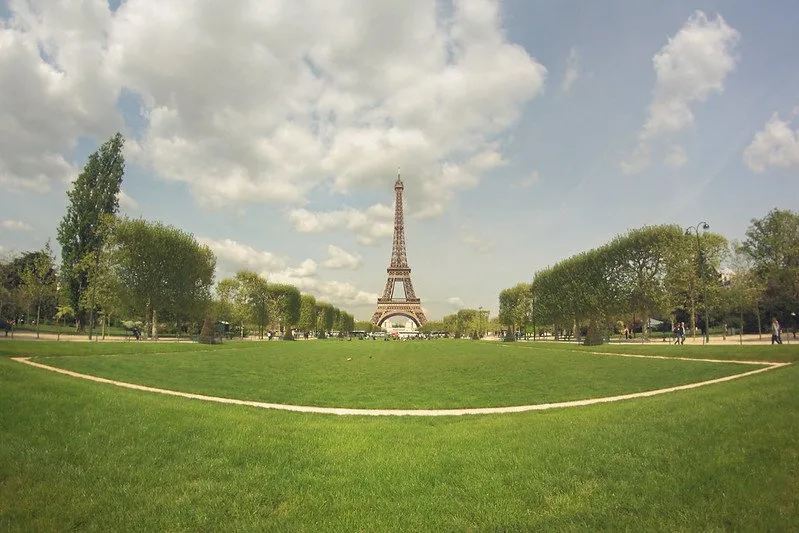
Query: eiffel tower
(399,272)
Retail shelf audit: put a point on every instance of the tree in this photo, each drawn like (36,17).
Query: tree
(16,299)
(285,301)
(326,318)
(39,281)
(645,259)
(744,289)
(94,193)
(162,270)
(772,243)
(368,327)
(255,298)
(64,312)
(308,313)
(231,304)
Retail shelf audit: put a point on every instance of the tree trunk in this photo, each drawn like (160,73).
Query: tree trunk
(741,330)
(38,315)
(693,317)
(154,330)
(103,330)
(759,325)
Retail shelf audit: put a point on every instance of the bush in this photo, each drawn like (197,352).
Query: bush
(509,337)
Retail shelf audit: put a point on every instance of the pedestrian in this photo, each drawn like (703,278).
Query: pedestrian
(776,332)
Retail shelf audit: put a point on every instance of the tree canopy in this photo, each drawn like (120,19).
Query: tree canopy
(94,193)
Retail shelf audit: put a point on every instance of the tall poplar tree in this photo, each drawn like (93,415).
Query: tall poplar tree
(94,194)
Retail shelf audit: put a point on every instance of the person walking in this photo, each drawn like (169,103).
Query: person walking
(776,332)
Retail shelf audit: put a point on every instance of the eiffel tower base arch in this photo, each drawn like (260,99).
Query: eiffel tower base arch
(410,310)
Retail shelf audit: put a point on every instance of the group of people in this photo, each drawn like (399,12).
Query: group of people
(776,332)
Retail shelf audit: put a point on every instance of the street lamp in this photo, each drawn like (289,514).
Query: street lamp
(699,260)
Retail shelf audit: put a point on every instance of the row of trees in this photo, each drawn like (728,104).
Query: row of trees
(147,272)
(665,273)
(28,285)
(474,323)
(249,303)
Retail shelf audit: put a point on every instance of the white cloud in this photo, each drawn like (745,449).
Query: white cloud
(233,256)
(776,146)
(572,70)
(15,225)
(55,89)
(126,202)
(267,101)
(676,157)
(689,68)
(241,256)
(341,259)
(369,225)
(525,183)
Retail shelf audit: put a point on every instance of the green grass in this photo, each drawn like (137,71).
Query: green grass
(76,455)
(390,375)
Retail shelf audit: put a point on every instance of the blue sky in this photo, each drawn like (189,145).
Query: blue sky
(527,131)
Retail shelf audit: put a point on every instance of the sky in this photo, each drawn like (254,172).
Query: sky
(526,131)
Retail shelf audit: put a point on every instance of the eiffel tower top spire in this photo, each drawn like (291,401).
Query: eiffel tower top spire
(399,258)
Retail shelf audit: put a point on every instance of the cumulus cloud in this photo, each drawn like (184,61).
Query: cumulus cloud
(15,225)
(676,157)
(55,89)
(776,146)
(233,256)
(264,101)
(369,225)
(572,70)
(241,256)
(692,66)
(341,259)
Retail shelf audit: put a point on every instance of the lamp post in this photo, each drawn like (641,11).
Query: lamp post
(700,262)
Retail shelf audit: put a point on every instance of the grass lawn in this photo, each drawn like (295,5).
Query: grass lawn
(76,455)
(390,375)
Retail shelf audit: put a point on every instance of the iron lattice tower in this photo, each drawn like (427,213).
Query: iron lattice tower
(399,272)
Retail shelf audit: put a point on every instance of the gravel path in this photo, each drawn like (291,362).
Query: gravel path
(420,412)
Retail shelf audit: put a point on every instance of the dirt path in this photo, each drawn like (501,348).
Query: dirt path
(411,412)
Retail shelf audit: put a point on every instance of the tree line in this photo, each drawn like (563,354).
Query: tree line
(143,274)
(667,274)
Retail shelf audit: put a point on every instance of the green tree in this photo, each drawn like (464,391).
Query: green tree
(94,193)
(64,312)
(255,298)
(308,313)
(744,289)
(772,243)
(368,327)
(162,270)
(231,305)
(326,317)
(285,301)
(39,281)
